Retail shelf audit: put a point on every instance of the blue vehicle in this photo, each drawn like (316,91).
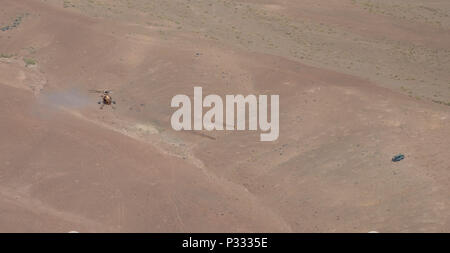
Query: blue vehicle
(398,158)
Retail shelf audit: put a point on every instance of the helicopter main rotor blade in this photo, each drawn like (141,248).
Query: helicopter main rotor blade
(101,91)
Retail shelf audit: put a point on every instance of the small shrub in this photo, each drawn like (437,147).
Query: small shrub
(29,61)
(6,55)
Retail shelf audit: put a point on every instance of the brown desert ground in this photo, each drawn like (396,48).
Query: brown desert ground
(359,82)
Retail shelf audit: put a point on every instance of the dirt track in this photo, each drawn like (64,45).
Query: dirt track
(359,81)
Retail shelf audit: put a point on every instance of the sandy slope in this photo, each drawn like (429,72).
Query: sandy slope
(340,69)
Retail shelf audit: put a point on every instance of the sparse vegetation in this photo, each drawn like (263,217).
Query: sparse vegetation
(14,24)
(67,4)
(441,102)
(2,55)
(29,61)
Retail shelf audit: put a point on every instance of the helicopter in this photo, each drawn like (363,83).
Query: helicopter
(106,98)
